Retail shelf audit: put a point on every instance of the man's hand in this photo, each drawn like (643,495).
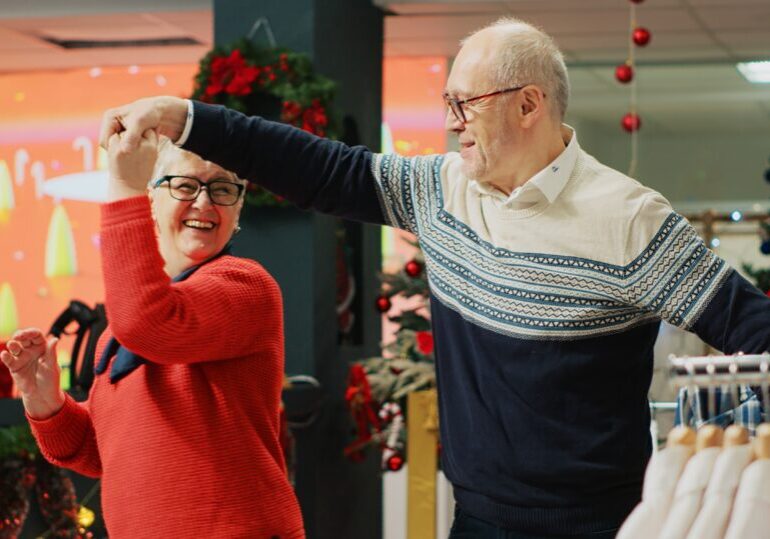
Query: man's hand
(131,169)
(32,362)
(165,115)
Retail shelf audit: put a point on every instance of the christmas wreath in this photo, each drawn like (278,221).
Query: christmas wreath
(272,82)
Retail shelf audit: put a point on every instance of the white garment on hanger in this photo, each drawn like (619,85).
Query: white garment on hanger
(711,522)
(689,494)
(660,480)
(751,511)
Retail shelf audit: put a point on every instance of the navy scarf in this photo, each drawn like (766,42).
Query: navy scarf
(126,361)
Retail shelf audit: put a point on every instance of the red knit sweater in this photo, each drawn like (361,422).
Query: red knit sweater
(187,445)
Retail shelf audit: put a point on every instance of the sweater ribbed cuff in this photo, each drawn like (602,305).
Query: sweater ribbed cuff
(61,434)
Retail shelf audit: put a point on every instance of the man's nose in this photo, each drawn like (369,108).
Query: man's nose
(451,123)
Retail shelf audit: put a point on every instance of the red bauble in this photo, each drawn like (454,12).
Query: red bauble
(413,268)
(383,304)
(424,342)
(624,73)
(641,36)
(395,462)
(631,122)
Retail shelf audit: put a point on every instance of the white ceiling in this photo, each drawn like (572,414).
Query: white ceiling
(686,75)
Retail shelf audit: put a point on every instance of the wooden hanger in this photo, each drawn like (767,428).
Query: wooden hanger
(708,436)
(681,436)
(736,435)
(762,442)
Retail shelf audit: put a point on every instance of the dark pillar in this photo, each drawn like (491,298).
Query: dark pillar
(344,38)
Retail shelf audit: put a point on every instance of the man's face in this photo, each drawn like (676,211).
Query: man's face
(487,137)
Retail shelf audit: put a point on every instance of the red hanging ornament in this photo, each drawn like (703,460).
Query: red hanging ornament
(641,36)
(413,268)
(624,73)
(631,122)
(424,342)
(637,1)
(395,462)
(383,304)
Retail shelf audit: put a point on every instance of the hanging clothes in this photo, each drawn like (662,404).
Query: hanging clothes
(714,515)
(689,493)
(751,511)
(660,481)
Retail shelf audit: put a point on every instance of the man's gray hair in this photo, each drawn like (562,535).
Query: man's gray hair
(527,55)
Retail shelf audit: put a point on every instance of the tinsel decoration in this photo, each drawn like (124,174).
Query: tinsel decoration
(16,478)
(21,467)
(57,500)
(392,453)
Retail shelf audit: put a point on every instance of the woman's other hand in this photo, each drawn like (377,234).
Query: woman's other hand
(31,358)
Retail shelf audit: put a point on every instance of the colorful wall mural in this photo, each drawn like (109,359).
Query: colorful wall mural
(52,177)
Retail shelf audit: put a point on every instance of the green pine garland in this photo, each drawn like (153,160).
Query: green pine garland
(272,82)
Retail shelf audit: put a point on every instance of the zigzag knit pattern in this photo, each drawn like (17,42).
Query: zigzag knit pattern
(538,295)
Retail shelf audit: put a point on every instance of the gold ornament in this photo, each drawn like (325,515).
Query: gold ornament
(86,517)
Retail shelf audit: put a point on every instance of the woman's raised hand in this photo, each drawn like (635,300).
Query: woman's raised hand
(31,358)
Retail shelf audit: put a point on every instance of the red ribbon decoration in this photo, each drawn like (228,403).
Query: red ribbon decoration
(362,407)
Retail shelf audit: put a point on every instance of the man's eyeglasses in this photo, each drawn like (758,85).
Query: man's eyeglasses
(456,105)
(221,192)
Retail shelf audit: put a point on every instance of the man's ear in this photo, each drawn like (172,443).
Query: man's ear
(531,105)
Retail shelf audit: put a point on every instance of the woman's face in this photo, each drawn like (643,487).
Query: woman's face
(190,232)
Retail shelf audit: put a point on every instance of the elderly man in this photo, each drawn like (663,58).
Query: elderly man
(549,275)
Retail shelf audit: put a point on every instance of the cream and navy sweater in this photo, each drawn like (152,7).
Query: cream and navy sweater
(544,313)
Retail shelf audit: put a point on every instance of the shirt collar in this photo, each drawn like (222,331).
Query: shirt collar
(549,181)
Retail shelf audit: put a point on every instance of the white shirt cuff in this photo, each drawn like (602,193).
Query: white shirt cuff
(187,125)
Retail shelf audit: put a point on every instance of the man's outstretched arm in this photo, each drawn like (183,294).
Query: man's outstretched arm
(310,171)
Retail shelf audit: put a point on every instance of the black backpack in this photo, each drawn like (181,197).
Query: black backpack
(90,325)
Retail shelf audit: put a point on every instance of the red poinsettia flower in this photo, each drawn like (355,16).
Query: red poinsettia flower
(425,342)
(232,75)
(290,111)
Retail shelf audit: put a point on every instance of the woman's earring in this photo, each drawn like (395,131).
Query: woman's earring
(237,228)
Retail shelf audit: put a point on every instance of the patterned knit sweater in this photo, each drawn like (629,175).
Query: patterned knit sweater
(187,445)
(544,317)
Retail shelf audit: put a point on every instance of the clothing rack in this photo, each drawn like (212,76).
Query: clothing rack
(726,373)
(662,406)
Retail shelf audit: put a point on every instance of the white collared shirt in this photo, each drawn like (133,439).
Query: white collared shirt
(548,182)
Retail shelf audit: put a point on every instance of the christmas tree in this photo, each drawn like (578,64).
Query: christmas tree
(377,386)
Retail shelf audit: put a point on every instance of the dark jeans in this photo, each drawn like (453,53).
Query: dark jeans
(467,527)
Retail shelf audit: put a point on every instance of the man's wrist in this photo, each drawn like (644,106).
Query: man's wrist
(187,125)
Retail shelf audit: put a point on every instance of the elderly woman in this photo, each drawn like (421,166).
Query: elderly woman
(182,421)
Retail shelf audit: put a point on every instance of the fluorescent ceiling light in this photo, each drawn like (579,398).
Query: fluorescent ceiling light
(758,72)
